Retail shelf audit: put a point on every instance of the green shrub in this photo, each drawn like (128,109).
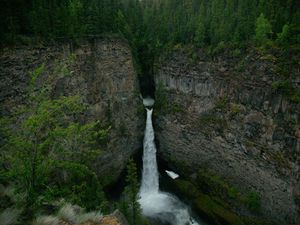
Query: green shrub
(252,200)
(222,103)
(286,88)
(236,52)
(282,85)
(234,109)
(284,36)
(232,192)
(220,48)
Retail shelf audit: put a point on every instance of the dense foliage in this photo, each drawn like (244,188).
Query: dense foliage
(156,21)
(213,21)
(55,18)
(47,153)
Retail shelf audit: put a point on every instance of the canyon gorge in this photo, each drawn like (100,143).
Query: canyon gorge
(215,119)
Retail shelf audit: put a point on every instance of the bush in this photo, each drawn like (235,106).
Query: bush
(283,37)
(220,48)
(232,192)
(286,88)
(76,183)
(252,200)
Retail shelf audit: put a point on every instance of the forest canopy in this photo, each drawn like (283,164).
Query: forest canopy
(157,22)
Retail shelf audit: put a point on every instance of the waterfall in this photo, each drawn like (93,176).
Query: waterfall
(156,204)
(150,172)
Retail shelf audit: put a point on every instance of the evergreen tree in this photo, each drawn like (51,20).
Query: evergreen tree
(130,205)
(75,18)
(283,37)
(200,34)
(166,22)
(263,30)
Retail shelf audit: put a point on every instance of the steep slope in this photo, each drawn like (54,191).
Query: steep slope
(101,71)
(222,116)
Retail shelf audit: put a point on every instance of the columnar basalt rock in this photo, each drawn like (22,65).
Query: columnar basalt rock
(101,71)
(232,123)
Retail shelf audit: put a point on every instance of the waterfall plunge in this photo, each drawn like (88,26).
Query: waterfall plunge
(150,172)
(156,204)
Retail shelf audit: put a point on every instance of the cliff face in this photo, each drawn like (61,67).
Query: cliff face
(101,71)
(224,117)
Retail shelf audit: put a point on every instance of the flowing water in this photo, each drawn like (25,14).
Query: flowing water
(156,204)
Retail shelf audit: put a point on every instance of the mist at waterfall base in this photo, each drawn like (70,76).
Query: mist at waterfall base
(156,204)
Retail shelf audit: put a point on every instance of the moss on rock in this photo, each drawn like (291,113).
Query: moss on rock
(206,206)
(213,204)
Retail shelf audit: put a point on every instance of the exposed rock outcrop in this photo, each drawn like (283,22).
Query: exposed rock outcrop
(229,120)
(116,218)
(101,71)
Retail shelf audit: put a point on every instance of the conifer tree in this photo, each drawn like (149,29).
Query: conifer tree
(283,37)
(130,205)
(263,30)
(131,192)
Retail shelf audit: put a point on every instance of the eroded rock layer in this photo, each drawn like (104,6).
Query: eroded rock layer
(223,115)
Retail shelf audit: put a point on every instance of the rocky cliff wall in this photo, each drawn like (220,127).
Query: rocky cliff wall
(101,71)
(225,117)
